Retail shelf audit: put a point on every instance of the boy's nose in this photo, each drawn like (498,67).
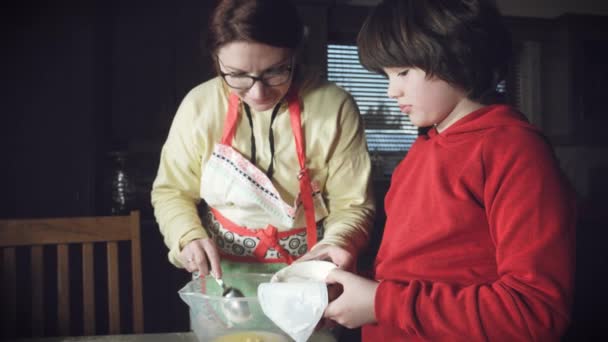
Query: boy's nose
(392,91)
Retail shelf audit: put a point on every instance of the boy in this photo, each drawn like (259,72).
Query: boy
(479,237)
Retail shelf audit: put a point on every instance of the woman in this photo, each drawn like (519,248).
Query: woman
(278,157)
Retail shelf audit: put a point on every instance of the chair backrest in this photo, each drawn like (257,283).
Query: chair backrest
(76,241)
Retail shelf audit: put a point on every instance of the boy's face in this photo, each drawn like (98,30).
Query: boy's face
(427,101)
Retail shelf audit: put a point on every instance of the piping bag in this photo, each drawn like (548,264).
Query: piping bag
(296,297)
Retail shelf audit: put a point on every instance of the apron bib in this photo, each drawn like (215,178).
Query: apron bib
(231,185)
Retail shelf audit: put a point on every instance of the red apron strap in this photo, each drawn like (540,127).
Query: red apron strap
(231,118)
(304,177)
(231,226)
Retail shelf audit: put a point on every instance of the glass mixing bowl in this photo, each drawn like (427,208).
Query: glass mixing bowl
(212,321)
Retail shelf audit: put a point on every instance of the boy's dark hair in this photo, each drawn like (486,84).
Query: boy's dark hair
(464,43)
(272,22)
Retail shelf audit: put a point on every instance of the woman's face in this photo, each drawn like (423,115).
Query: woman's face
(240,59)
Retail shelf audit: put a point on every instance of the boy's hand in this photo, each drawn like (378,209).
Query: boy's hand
(355,306)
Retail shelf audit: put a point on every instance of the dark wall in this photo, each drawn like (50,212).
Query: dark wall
(84,78)
(52,95)
(81,79)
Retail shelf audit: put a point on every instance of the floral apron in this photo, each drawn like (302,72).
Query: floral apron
(230,184)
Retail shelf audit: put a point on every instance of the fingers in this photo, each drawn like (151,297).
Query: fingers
(343,259)
(337,312)
(336,276)
(314,255)
(190,266)
(332,310)
(337,255)
(213,256)
(187,260)
(201,256)
(200,262)
(335,290)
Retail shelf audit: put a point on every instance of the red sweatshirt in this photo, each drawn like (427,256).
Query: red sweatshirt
(479,238)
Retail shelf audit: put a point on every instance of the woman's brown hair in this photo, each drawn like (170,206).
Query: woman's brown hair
(272,22)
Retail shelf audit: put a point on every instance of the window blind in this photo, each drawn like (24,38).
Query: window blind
(389,132)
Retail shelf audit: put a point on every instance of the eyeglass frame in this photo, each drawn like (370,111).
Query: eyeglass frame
(290,67)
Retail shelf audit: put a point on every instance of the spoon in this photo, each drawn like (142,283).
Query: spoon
(235,308)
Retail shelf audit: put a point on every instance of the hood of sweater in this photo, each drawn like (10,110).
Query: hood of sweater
(481,122)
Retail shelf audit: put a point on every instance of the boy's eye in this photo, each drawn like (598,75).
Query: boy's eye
(403,73)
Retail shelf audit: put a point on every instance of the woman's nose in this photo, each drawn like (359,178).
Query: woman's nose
(257,90)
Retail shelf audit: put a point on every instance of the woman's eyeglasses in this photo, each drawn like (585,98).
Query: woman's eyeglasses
(272,77)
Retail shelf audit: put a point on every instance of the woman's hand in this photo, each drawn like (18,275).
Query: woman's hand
(355,306)
(338,255)
(199,254)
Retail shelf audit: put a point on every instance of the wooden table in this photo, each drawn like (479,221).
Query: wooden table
(164,337)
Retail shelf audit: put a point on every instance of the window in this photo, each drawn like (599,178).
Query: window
(389,132)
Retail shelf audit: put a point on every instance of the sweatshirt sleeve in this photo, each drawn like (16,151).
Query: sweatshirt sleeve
(348,187)
(531,214)
(175,191)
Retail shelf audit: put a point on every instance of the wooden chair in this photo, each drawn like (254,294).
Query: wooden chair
(31,238)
